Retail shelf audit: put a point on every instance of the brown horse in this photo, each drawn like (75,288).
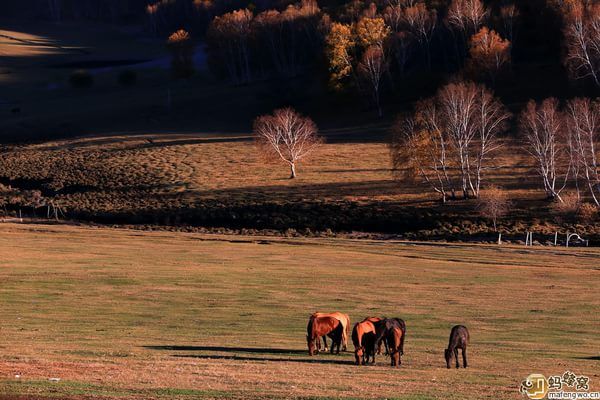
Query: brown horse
(378,327)
(344,320)
(321,326)
(363,337)
(383,327)
(395,340)
(459,339)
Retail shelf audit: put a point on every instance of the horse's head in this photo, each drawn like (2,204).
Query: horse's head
(358,355)
(447,355)
(311,345)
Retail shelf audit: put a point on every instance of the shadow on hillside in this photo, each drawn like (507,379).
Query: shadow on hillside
(132,142)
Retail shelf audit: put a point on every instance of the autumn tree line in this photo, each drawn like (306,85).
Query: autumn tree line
(371,47)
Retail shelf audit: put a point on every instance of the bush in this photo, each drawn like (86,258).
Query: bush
(127,78)
(494,204)
(568,208)
(587,213)
(81,79)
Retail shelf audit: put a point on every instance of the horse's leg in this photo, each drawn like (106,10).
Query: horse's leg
(456,357)
(464,351)
(325,343)
(332,348)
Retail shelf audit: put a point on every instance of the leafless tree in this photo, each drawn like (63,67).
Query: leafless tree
(228,37)
(582,37)
(509,14)
(494,203)
(491,121)
(182,52)
(583,125)
(543,129)
(466,16)
(458,105)
(372,67)
(422,23)
(420,148)
(457,130)
(286,135)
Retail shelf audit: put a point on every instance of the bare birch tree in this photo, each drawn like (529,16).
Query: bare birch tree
(459,104)
(466,15)
(509,14)
(583,125)
(420,149)
(582,37)
(452,138)
(543,130)
(491,120)
(422,23)
(286,135)
(372,67)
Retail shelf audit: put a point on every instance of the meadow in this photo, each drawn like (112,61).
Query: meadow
(129,314)
(201,181)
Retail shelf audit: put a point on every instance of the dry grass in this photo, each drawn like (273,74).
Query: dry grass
(158,315)
(204,179)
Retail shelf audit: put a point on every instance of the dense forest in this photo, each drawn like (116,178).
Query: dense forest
(383,50)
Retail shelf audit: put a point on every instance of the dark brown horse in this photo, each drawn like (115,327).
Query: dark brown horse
(321,326)
(385,325)
(363,337)
(394,338)
(459,339)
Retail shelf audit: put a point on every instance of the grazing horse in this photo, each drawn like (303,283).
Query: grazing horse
(394,332)
(321,326)
(344,320)
(459,339)
(377,322)
(363,337)
(385,325)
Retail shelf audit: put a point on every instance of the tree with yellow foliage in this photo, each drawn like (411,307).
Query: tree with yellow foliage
(489,53)
(182,53)
(339,45)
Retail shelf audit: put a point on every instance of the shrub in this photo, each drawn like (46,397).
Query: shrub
(494,204)
(127,78)
(568,208)
(587,213)
(81,79)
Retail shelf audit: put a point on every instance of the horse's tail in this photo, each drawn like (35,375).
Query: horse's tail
(356,337)
(403,329)
(347,330)
(345,322)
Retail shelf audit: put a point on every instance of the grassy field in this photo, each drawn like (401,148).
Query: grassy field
(127,314)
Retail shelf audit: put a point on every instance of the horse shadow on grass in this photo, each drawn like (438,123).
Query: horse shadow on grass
(590,358)
(269,352)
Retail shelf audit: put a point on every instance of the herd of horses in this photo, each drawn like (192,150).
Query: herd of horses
(370,334)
